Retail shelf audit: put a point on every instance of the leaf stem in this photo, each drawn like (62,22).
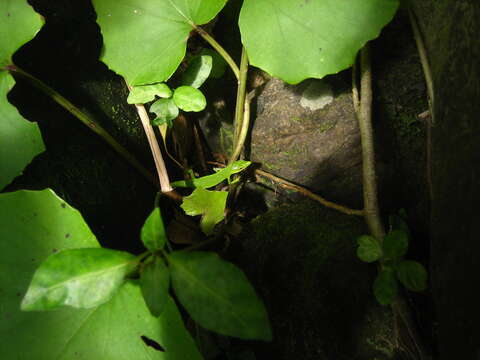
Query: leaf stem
(370,197)
(242,110)
(223,53)
(85,119)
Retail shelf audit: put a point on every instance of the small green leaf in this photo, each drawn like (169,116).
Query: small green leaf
(218,295)
(412,275)
(153,232)
(369,249)
(188,98)
(209,204)
(146,93)
(155,281)
(385,286)
(81,278)
(198,71)
(395,244)
(219,65)
(166,111)
(214,179)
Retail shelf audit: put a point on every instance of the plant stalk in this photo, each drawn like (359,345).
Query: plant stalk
(370,197)
(242,110)
(85,119)
(223,53)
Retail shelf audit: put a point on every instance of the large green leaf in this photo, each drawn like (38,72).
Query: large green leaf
(34,225)
(145,40)
(81,278)
(155,282)
(299,39)
(218,295)
(20,139)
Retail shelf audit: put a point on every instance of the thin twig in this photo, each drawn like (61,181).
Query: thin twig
(86,120)
(370,197)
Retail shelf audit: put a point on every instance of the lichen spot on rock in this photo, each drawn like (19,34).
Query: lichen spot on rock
(316,95)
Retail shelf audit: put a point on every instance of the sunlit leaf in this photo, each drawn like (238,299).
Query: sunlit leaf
(81,278)
(209,204)
(155,281)
(145,40)
(153,232)
(412,275)
(299,39)
(369,249)
(218,296)
(146,93)
(188,98)
(35,224)
(166,112)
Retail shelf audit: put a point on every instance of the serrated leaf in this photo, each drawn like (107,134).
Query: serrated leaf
(218,296)
(369,249)
(198,71)
(145,40)
(219,65)
(20,139)
(209,204)
(385,286)
(146,93)
(214,179)
(153,231)
(188,98)
(81,278)
(154,282)
(412,275)
(33,225)
(395,244)
(166,112)
(299,39)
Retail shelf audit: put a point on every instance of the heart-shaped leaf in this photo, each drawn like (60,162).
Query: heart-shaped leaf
(188,98)
(35,224)
(20,139)
(369,249)
(166,112)
(299,39)
(198,71)
(385,286)
(218,295)
(155,281)
(145,40)
(146,93)
(395,244)
(209,204)
(81,278)
(412,275)
(153,232)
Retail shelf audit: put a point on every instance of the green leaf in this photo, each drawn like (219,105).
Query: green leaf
(218,296)
(214,179)
(219,65)
(153,232)
(145,40)
(209,204)
(166,112)
(35,224)
(198,71)
(398,222)
(155,281)
(188,98)
(20,17)
(395,244)
(299,39)
(412,275)
(146,93)
(81,278)
(369,249)
(385,286)
(20,139)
